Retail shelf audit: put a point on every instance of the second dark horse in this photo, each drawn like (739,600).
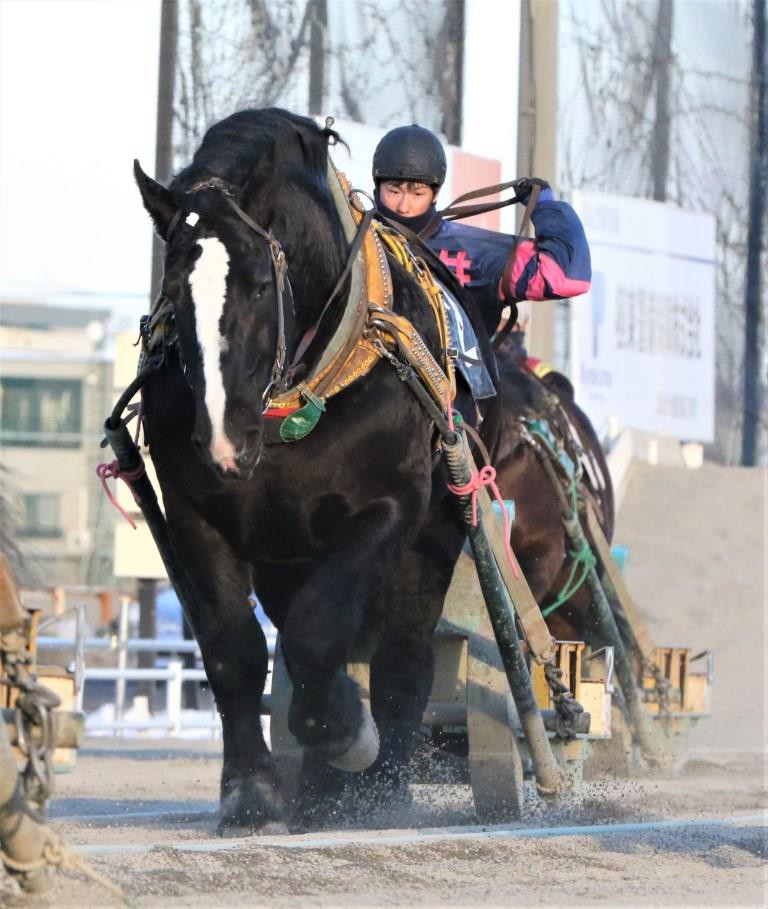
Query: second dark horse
(350,529)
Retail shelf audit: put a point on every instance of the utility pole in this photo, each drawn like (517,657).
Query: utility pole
(758,181)
(169,30)
(526,97)
(449,70)
(662,65)
(318,31)
(169,33)
(538,132)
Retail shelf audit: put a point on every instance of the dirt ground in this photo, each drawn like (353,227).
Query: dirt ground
(701,865)
(697,566)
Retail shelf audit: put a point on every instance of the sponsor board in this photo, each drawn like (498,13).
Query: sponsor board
(643,338)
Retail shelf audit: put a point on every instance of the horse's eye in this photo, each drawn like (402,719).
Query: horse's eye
(260,290)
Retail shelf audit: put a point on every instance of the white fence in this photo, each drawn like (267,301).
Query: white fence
(136,718)
(174,721)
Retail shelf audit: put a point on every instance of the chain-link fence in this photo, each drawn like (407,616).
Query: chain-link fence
(655,103)
(380,64)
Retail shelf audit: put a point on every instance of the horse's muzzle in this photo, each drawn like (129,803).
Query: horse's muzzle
(229,462)
(248,462)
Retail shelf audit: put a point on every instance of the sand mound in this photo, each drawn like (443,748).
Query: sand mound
(697,567)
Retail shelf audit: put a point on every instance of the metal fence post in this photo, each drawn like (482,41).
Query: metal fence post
(122,662)
(80,656)
(173,696)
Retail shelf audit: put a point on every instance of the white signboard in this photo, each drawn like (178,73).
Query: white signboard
(643,339)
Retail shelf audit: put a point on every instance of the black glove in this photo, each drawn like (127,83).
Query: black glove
(524,188)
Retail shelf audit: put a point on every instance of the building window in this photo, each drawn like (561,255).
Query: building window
(40,515)
(41,412)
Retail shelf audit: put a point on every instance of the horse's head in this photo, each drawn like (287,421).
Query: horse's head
(224,278)
(224,269)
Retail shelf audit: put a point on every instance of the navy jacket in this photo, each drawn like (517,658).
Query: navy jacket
(552,266)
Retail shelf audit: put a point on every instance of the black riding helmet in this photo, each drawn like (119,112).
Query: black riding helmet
(410,153)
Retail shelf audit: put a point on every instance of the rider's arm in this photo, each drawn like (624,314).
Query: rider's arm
(554,265)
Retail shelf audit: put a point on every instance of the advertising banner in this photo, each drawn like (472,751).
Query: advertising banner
(643,339)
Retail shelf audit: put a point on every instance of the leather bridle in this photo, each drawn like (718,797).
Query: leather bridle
(279,272)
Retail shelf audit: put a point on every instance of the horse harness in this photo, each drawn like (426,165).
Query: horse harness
(370,329)
(555,441)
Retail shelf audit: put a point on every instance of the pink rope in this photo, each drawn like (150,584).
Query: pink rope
(112,471)
(486,476)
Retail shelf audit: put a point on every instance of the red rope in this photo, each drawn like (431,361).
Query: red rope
(112,471)
(486,476)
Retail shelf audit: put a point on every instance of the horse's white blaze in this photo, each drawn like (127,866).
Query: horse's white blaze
(208,282)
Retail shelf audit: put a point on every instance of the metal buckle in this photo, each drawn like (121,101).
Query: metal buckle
(266,397)
(354,200)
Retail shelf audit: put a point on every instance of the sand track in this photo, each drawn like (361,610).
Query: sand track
(697,567)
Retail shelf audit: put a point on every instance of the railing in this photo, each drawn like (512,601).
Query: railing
(174,720)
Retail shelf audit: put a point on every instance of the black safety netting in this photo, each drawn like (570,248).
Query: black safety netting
(379,64)
(655,102)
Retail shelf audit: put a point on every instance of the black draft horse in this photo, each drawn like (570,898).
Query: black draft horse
(347,530)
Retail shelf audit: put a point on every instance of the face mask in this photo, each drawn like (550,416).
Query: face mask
(416,224)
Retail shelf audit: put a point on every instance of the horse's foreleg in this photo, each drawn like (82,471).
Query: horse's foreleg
(235,657)
(402,668)
(236,661)
(323,621)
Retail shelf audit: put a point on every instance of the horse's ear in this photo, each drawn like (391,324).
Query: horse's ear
(160,202)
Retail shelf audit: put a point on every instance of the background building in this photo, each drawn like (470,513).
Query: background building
(54,395)
(661,100)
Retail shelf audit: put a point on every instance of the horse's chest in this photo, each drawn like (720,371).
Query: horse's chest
(273,521)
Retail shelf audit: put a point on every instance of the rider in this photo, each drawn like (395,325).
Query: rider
(409,168)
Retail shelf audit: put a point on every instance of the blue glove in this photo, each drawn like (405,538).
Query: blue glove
(524,188)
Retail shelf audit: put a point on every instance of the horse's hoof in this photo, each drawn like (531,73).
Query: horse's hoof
(235,831)
(250,807)
(274,828)
(363,751)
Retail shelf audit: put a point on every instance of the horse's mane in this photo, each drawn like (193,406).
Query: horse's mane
(250,142)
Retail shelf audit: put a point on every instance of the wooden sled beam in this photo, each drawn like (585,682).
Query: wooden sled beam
(627,605)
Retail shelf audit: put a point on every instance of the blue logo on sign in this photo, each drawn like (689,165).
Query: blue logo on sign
(597,305)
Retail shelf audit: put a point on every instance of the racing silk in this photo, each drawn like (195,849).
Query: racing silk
(553,266)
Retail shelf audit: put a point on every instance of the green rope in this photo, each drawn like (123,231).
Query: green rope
(583,558)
